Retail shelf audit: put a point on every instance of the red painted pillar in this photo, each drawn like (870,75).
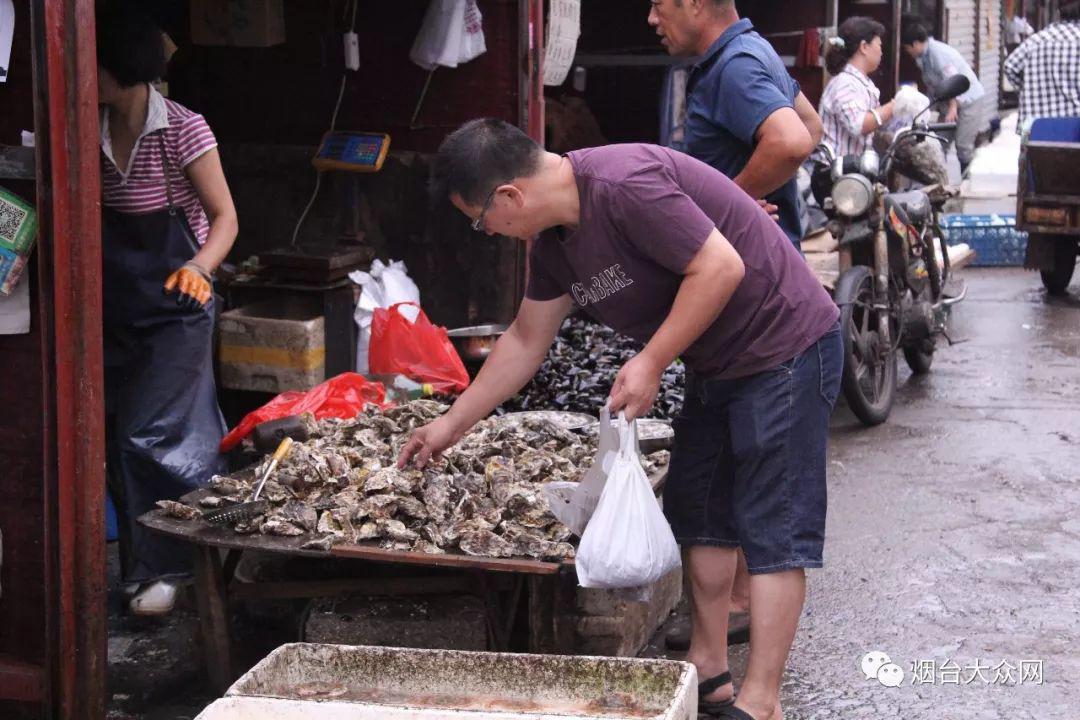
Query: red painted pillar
(70,269)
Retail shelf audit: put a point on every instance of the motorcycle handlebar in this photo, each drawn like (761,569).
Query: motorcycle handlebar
(941,127)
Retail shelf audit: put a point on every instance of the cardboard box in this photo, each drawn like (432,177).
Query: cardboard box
(238,23)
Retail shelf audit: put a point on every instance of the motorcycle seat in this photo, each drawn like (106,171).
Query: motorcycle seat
(914,206)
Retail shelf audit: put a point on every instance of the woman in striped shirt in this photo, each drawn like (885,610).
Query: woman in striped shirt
(850,106)
(168,221)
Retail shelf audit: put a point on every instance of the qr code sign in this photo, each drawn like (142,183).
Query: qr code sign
(11,219)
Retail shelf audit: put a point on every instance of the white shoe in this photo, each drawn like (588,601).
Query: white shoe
(157,598)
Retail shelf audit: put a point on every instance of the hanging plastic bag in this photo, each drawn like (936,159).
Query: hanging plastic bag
(416,349)
(381,286)
(573,503)
(452,33)
(344,396)
(628,542)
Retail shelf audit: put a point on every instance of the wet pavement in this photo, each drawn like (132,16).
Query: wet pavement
(953,530)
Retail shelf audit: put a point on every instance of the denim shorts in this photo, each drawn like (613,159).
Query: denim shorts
(748,464)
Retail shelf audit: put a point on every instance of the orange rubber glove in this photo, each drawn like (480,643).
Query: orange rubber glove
(193,284)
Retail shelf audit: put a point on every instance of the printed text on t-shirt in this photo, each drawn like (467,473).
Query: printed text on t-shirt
(602,285)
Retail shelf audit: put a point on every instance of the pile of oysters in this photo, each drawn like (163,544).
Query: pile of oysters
(483,497)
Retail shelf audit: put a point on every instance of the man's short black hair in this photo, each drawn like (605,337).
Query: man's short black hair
(129,45)
(912,31)
(479,156)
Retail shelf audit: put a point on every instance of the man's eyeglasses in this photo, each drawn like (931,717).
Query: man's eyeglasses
(478,223)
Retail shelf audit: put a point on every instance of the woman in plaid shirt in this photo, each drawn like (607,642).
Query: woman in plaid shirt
(850,106)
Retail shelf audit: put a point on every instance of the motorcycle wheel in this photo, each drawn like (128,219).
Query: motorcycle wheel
(869,379)
(1056,281)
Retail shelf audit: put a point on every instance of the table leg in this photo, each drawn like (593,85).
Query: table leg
(551,597)
(493,613)
(213,617)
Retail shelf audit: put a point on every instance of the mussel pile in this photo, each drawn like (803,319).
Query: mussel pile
(580,369)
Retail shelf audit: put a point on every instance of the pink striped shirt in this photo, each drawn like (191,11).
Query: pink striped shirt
(184,136)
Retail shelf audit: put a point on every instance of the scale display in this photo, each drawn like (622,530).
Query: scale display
(352,151)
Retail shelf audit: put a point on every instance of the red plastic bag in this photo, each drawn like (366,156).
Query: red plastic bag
(418,350)
(343,396)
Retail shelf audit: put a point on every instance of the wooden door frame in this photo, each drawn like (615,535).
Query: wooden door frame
(69,262)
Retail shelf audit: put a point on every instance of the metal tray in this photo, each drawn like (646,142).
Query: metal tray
(564,419)
(654,435)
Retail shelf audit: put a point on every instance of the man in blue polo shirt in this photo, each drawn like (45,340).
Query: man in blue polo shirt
(938,62)
(745,114)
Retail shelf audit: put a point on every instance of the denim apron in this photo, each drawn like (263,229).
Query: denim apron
(163,423)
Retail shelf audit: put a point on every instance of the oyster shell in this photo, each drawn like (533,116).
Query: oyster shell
(396,530)
(411,507)
(436,495)
(368,531)
(427,547)
(299,514)
(324,543)
(377,507)
(223,485)
(275,525)
(525,543)
(178,510)
(481,542)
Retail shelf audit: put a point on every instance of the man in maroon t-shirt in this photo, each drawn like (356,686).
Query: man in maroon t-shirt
(667,250)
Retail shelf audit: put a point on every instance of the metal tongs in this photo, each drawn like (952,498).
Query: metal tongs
(242,512)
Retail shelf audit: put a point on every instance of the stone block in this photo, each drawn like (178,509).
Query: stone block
(608,622)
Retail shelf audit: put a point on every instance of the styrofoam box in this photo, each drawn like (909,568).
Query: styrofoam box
(358,682)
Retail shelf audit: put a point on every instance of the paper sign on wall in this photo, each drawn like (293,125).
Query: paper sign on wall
(564,27)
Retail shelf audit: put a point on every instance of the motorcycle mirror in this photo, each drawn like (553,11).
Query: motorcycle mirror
(952,88)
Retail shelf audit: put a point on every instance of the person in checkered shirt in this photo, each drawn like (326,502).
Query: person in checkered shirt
(1046,68)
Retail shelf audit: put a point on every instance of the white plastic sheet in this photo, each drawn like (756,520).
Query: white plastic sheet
(627,542)
(382,286)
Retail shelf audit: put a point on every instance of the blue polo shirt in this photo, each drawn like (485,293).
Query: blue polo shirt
(738,83)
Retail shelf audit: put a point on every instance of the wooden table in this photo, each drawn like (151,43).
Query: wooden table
(498,582)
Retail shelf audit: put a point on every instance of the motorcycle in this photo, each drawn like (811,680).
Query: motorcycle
(891,290)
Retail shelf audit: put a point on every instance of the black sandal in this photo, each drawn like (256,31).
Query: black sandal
(714,707)
(733,713)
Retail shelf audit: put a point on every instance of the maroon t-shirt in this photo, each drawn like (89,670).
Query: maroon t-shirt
(645,212)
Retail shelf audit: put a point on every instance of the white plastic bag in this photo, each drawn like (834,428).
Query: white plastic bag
(908,103)
(628,542)
(573,503)
(452,33)
(382,286)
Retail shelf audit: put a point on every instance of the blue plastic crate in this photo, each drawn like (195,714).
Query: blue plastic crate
(994,238)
